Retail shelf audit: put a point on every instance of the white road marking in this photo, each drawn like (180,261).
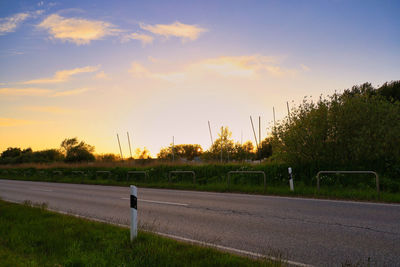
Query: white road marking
(40,189)
(244,195)
(160,202)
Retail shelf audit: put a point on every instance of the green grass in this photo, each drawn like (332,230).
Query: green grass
(363,193)
(33,236)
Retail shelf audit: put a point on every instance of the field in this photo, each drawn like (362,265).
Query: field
(33,236)
(214,177)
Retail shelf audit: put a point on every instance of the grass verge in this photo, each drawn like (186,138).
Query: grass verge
(33,236)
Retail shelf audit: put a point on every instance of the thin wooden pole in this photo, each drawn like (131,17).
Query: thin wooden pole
(259,137)
(273,111)
(120,150)
(254,132)
(129,142)
(209,128)
(222,132)
(173,147)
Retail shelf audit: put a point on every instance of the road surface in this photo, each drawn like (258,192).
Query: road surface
(304,231)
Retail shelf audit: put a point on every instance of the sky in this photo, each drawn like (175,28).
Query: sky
(163,69)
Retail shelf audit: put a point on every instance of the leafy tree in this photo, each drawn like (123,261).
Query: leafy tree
(109,157)
(77,151)
(183,151)
(225,143)
(48,155)
(142,154)
(265,150)
(244,151)
(11,152)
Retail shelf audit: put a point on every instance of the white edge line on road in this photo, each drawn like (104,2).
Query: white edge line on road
(159,202)
(193,241)
(40,189)
(244,195)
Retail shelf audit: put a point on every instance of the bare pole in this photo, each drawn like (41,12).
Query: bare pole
(259,130)
(288,112)
(129,142)
(222,127)
(254,132)
(209,128)
(120,150)
(173,147)
(273,111)
(259,136)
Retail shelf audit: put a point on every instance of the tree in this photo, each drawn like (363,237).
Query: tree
(107,157)
(142,154)
(265,150)
(76,151)
(243,151)
(183,151)
(11,152)
(223,143)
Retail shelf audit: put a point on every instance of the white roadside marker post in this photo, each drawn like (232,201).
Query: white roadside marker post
(133,212)
(291,179)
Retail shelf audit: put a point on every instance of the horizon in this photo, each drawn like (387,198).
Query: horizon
(158,70)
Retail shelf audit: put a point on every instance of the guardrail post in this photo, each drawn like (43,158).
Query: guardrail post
(351,172)
(133,212)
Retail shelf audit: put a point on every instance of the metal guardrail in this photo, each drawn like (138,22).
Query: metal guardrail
(257,172)
(109,173)
(350,172)
(192,172)
(146,174)
(78,172)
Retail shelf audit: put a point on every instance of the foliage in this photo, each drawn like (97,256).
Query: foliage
(17,156)
(358,129)
(184,151)
(142,154)
(108,157)
(77,151)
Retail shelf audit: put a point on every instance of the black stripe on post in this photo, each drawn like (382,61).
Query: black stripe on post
(133,202)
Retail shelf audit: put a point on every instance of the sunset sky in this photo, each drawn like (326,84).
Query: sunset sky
(92,69)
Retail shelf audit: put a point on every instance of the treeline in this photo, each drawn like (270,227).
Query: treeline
(71,150)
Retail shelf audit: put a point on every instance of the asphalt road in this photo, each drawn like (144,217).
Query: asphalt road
(309,231)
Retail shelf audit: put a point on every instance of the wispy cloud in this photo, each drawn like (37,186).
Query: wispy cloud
(248,67)
(9,24)
(40,92)
(24,91)
(144,38)
(139,71)
(305,68)
(63,75)
(77,30)
(47,109)
(101,75)
(10,122)
(70,92)
(177,29)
